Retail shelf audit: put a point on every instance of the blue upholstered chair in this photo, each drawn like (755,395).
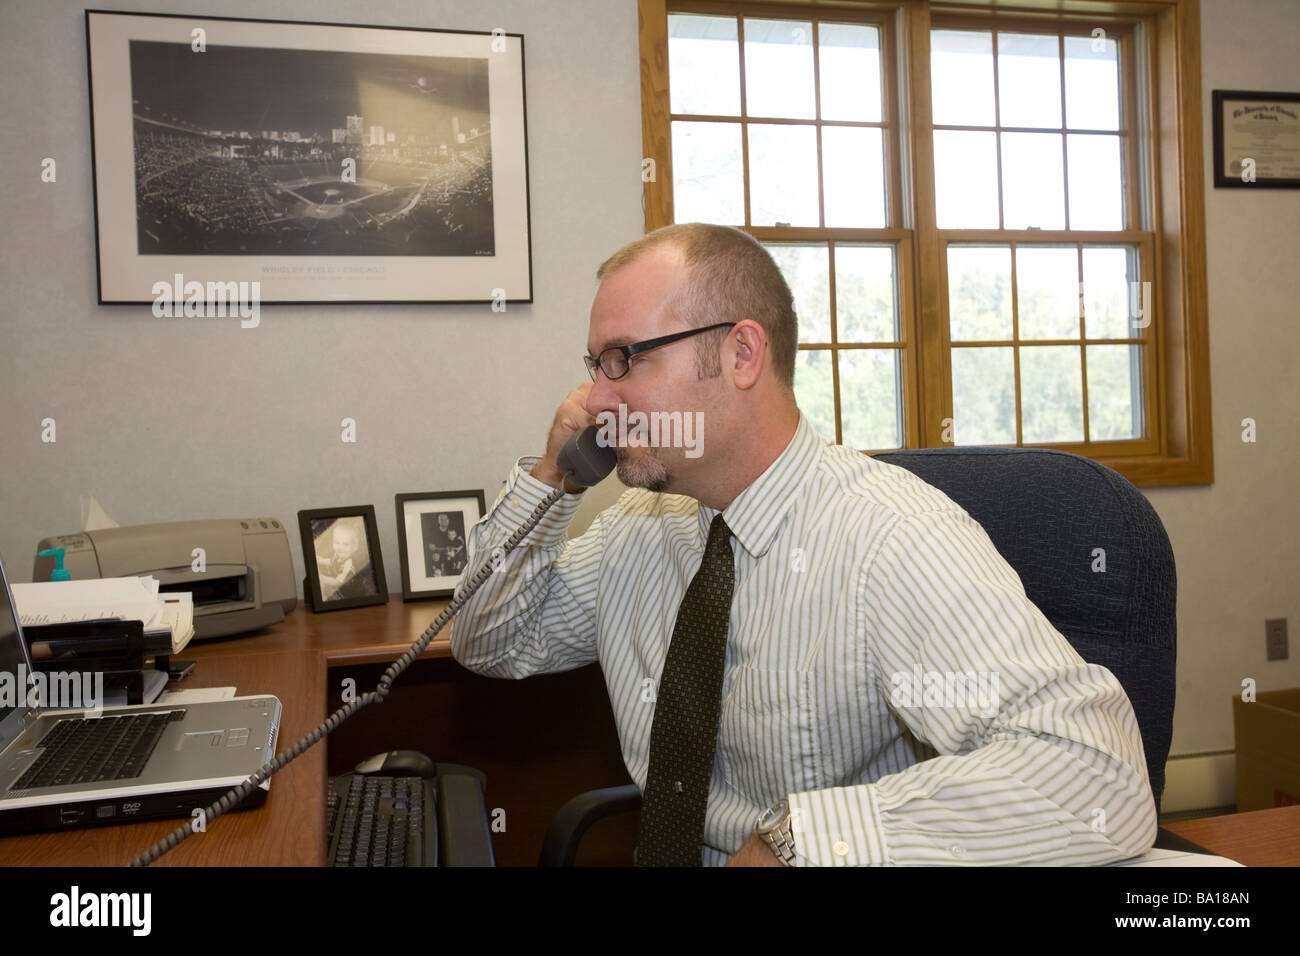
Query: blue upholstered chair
(1053,516)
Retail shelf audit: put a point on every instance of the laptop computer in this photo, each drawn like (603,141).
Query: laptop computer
(61,769)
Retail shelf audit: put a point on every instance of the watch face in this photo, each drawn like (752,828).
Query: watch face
(773,815)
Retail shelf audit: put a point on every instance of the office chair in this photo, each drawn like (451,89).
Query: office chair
(1054,517)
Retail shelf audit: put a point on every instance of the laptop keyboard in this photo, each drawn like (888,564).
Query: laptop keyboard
(88,751)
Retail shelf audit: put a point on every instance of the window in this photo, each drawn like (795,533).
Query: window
(992,225)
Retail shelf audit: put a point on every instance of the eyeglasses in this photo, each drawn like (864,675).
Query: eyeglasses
(616,360)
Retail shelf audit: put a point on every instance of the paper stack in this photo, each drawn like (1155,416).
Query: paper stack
(166,614)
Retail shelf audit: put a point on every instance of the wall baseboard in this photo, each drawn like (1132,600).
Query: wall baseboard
(1201,781)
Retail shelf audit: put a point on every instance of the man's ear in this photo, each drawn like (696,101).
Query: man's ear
(749,343)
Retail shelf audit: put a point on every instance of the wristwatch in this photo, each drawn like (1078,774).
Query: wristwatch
(775,830)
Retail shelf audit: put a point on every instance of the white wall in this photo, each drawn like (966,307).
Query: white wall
(169,419)
(1236,542)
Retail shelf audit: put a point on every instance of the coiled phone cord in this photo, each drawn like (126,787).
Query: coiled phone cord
(234,797)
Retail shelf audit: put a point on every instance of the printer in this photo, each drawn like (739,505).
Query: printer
(242,579)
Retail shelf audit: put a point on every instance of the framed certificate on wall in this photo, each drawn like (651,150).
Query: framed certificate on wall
(1256,139)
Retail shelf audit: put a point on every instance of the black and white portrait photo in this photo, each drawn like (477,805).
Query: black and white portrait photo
(444,543)
(343,558)
(432,527)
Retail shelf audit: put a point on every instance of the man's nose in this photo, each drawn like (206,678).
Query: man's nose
(603,396)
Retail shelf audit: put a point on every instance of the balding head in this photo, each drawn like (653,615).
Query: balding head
(731,278)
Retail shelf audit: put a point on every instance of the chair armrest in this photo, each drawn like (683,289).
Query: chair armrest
(572,820)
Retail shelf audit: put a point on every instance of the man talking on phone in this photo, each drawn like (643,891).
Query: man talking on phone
(759,597)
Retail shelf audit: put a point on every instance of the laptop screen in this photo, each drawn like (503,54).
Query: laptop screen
(13,653)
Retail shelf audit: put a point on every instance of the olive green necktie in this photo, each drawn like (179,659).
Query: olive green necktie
(684,734)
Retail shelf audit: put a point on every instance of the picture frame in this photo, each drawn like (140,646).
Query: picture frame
(432,527)
(296,162)
(1256,139)
(343,559)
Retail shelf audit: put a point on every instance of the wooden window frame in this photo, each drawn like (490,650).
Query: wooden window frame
(1134,233)
(1163,94)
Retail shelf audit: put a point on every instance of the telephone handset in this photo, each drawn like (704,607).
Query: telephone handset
(584,460)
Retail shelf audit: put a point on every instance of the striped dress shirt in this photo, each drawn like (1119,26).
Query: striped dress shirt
(885,671)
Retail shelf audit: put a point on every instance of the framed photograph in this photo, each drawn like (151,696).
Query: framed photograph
(431,530)
(294,162)
(1256,139)
(345,568)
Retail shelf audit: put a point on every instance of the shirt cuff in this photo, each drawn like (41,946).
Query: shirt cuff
(838,826)
(520,498)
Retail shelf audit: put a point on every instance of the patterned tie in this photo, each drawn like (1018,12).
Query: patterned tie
(684,734)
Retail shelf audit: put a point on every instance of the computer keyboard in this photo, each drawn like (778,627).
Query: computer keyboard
(382,821)
(88,751)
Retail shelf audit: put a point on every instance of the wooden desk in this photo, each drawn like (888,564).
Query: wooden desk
(1258,838)
(539,741)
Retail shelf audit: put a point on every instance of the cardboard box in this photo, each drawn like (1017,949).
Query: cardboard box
(1267,734)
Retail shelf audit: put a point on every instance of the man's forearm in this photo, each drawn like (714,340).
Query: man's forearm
(1018,802)
(519,621)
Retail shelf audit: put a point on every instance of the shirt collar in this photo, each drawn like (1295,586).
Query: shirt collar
(756,515)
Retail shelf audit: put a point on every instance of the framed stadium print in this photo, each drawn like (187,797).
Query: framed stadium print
(241,162)
(431,532)
(345,567)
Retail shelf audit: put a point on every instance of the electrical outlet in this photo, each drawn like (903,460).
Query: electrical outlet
(1275,639)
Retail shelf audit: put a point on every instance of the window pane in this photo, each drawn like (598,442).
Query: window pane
(1051,394)
(1109,302)
(813,389)
(1114,392)
(961,77)
(979,293)
(965,180)
(865,304)
(983,397)
(870,399)
(1033,182)
(1096,184)
(1029,80)
(779,69)
(703,65)
(708,185)
(1091,83)
(854,176)
(782,175)
(1047,286)
(849,59)
(807,271)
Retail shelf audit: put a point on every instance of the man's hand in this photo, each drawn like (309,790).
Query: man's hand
(571,418)
(755,852)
